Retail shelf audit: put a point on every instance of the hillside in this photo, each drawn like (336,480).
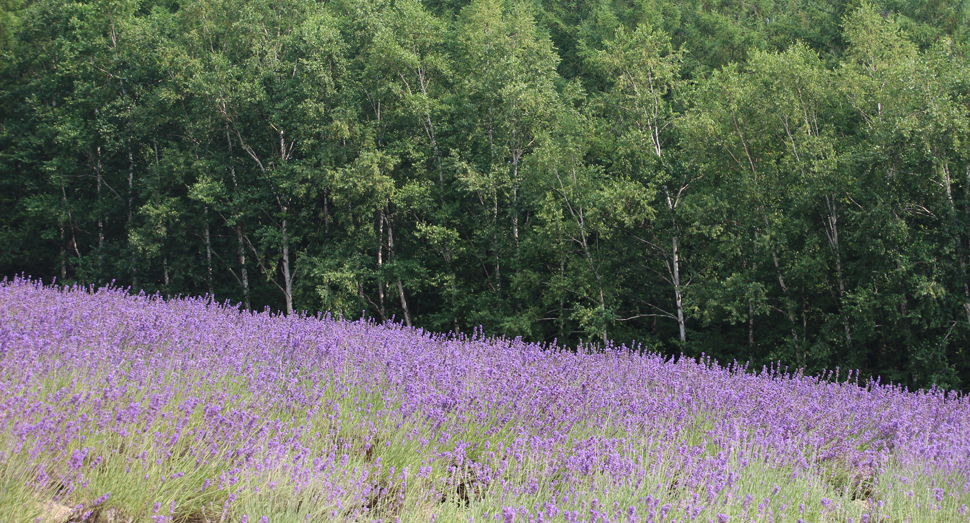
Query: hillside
(132,408)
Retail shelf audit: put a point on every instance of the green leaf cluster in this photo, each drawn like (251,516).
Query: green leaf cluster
(758,181)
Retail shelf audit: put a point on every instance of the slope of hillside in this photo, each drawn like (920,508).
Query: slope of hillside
(121,408)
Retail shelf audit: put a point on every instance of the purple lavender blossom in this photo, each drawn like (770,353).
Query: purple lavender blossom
(215,409)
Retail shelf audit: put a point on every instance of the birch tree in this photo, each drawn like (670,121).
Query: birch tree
(645,70)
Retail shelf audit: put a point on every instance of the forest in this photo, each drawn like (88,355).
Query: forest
(761,181)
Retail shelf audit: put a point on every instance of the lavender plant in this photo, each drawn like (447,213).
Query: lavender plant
(134,408)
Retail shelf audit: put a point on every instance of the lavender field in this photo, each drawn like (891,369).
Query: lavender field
(129,409)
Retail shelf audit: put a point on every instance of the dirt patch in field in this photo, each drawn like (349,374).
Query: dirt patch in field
(53,512)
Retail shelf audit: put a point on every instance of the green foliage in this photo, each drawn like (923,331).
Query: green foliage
(755,181)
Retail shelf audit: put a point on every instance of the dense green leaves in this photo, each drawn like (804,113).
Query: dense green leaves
(755,181)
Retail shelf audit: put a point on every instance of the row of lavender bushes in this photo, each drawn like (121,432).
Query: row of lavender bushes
(133,408)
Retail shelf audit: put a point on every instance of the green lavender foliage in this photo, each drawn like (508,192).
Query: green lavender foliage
(135,408)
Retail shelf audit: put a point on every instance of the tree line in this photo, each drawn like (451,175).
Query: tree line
(762,181)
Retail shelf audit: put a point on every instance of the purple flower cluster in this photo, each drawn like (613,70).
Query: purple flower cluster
(177,409)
